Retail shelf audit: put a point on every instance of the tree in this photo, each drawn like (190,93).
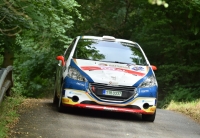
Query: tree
(170,38)
(30,32)
(45,19)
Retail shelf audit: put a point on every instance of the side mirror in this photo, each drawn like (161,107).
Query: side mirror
(62,59)
(153,67)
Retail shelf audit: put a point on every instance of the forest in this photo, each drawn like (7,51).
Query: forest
(34,32)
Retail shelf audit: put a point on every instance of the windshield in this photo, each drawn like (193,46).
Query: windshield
(109,51)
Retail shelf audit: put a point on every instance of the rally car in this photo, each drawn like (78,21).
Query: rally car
(106,73)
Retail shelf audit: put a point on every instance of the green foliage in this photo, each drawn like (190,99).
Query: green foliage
(39,32)
(9,113)
(50,21)
(103,18)
(41,21)
(181,94)
(35,70)
(159,2)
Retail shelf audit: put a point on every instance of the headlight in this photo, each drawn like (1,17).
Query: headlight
(74,74)
(149,82)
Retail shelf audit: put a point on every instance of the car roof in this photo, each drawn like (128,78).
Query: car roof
(109,38)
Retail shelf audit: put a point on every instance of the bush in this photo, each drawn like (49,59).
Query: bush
(180,93)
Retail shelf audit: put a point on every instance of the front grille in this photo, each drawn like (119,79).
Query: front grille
(98,88)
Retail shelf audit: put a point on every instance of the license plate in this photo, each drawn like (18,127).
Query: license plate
(112,93)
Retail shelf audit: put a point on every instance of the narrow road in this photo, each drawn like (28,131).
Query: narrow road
(43,121)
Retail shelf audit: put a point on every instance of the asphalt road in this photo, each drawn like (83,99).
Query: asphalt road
(43,121)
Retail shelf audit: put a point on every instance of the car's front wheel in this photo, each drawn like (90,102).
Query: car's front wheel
(55,98)
(149,118)
(60,105)
(55,95)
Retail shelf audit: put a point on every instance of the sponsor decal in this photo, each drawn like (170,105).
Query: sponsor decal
(90,106)
(111,68)
(135,67)
(113,65)
(138,68)
(144,90)
(90,68)
(118,66)
(143,101)
(73,93)
(147,101)
(70,93)
(110,108)
(102,64)
(81,84)
(129,65)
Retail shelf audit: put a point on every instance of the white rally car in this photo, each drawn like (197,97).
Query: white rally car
(105,73)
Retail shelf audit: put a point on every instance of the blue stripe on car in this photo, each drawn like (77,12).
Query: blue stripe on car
(144,78)
(148,92)
(75,84)
(72,64)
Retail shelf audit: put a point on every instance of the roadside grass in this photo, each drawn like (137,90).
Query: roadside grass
(191,109)
(8,114)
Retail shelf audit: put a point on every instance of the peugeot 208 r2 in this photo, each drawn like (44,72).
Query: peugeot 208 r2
(105,73)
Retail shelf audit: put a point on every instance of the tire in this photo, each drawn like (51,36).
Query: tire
(55,98)
(149,118)
(60,105)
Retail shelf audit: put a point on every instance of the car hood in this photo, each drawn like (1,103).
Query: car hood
(112,73)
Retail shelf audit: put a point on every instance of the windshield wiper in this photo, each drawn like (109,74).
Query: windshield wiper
(143,64)
(117,62)
(87,59)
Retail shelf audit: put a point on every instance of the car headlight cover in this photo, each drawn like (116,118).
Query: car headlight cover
(149,82)
(74,74)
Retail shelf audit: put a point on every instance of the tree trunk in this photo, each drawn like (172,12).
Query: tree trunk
(7,58)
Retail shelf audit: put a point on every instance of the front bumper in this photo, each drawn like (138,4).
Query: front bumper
(83,99)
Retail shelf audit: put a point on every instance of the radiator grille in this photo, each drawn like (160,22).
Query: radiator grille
(97,91)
